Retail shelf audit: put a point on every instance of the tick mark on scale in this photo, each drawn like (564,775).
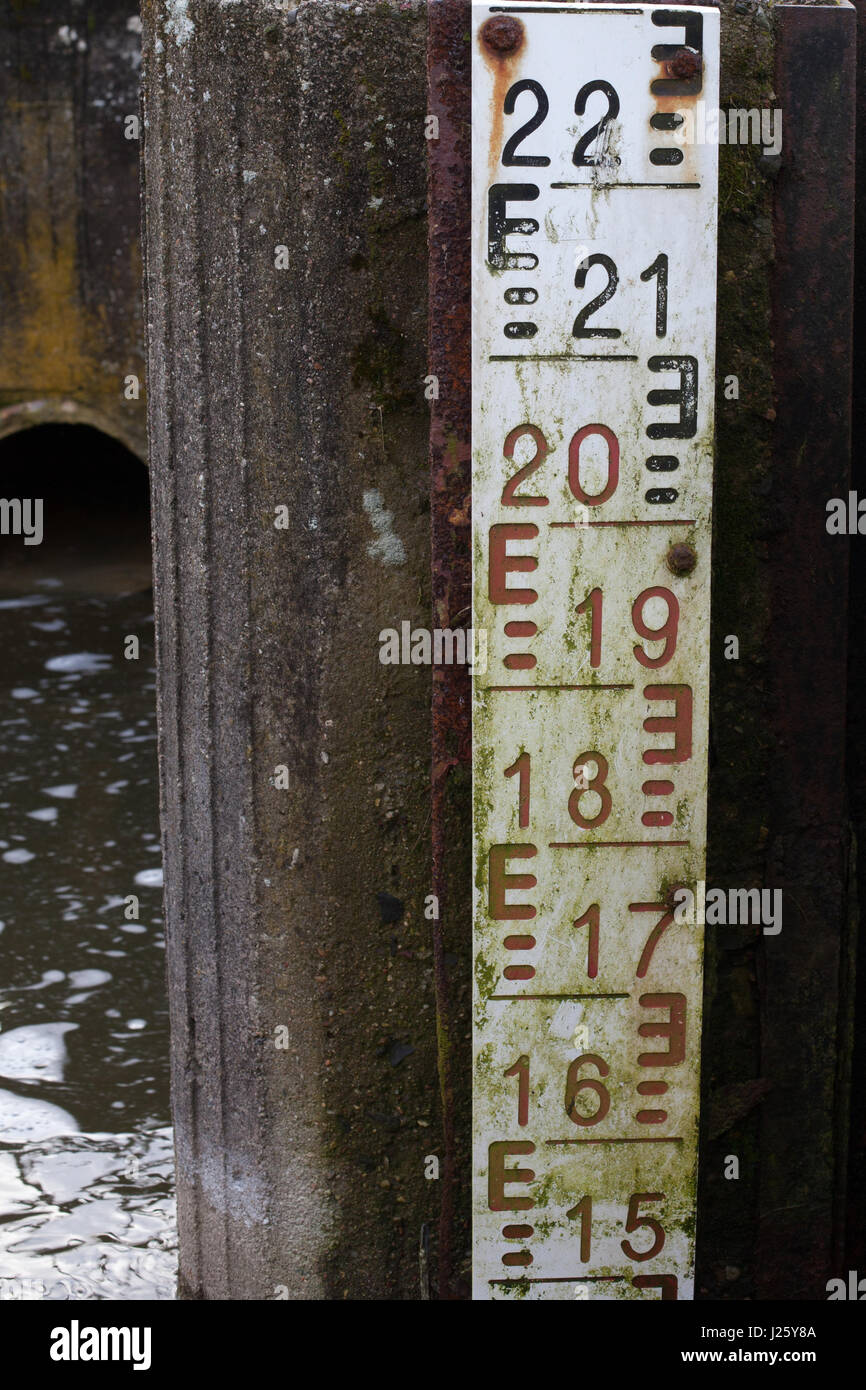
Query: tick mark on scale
(640,1139)
(613,844)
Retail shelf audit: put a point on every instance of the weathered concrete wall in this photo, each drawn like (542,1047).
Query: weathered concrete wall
(300,1171)
(70,264)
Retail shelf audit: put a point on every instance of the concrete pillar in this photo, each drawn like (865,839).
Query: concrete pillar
(286,301)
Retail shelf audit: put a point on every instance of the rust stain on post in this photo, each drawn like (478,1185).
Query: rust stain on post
(448,68)
(501,39)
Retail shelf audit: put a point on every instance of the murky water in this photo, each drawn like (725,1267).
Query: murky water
(86,1204)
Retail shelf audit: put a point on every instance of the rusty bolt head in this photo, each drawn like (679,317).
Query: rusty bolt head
(685,63)
(681,559)
(502,34)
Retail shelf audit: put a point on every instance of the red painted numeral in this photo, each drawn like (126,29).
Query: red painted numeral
(590,784)
(667,633)
(522,769)
(591,919)
(574,1084)
(574,479)
(582,1212)
(634,1221)
(521,1071)
(510,496)
(593,604)
(655,935)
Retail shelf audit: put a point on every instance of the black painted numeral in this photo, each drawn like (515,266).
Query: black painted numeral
(580,156)
(528,84)
(580,330)
(659,268)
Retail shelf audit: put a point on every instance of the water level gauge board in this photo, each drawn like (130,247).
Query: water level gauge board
(593,292)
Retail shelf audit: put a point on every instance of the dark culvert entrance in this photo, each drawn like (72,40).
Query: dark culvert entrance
(96,510)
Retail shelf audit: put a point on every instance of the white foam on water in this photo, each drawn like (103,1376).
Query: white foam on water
(18,856)
(78,661)
(149,878)
(35,1052)
(24,1120)
(86,979)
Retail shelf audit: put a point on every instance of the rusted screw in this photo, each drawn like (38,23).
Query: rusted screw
(681,559)
(685,63)
(502,34)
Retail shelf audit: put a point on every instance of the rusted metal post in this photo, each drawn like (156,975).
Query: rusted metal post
(856,1245)
(449,189)
(807,972)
